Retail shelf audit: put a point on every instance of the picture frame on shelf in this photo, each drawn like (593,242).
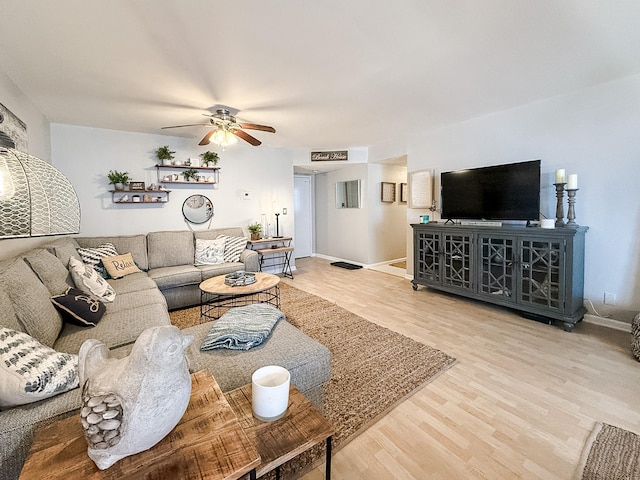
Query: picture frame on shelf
(136,186)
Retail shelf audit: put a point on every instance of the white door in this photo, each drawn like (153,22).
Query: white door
(303,211)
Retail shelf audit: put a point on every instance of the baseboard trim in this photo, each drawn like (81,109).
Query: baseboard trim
(607,322)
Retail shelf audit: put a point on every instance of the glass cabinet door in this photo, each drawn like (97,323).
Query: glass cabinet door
(457,260)
(427,261)
(542,273)
(497,267)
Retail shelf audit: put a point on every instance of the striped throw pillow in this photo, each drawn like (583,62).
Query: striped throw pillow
(94,256)
(30,371)
(233,247)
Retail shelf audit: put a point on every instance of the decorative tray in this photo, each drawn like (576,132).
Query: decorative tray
(239,279)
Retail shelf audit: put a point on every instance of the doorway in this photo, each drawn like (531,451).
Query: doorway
(303,214)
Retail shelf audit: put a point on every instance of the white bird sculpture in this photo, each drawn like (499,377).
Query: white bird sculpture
(132,403)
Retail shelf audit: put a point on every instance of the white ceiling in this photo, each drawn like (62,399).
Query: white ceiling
(325,74)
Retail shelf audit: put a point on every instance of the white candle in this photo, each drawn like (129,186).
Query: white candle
(572,184)
(560,175)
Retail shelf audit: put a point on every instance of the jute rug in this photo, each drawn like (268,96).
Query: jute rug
(611,453)
(372,367)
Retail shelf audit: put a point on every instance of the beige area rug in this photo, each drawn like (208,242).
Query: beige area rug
(611,453)
(372,367)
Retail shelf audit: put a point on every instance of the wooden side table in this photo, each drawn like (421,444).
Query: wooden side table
(208,443)
(277,249)
(302,427)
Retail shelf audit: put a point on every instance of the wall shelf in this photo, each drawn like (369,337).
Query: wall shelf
(157,197)
(211,173)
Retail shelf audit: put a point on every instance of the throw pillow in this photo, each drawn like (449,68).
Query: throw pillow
(233,248)
(30,371)
(50,270)
(209,252)
(89,281)
(79,308)
(93,256)
(119,266)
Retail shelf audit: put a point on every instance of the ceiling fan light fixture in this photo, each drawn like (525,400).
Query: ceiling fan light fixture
(223,137)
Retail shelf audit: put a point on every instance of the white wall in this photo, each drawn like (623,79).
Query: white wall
(594,133)
(387,221)
(342,232)
(374,233)
(85,155)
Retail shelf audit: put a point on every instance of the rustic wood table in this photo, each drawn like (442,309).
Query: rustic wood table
(208,443)
(216,296)
(302,427)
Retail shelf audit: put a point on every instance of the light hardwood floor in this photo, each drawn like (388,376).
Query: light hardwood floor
(519,403)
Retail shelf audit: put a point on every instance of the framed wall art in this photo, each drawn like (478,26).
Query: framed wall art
(388,192)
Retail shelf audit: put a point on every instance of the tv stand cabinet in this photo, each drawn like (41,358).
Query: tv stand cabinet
(539,272)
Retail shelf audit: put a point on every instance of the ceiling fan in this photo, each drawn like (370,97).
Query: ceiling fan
(227,130)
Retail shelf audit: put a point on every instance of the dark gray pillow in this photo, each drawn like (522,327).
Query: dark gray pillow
(79,308)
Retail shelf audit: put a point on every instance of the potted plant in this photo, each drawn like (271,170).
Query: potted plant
(118,179)
(190,174)
(165,155)
(255,229)
(209,157)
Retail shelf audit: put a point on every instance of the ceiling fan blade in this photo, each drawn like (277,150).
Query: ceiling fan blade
(206,140)
(190,125)
(247,138)
(254,126)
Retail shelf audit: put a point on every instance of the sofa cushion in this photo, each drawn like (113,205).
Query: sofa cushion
(132,283)
(209,271)
(116,328)
(30,371)
(93,256)
(8,317)
(216,232)
(64,253)
(79,307)
(209,252)
(136,244)
(168,277)
(169,249)
(233,247)
(30,299)
(120,266)
(127,301)
(88,280)
(50,270)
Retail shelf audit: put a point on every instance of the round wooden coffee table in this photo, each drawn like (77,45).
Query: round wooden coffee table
(216,297)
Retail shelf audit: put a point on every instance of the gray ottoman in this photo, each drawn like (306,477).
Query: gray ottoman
(308,361)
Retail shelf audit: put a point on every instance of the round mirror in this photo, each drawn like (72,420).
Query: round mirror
(197,209)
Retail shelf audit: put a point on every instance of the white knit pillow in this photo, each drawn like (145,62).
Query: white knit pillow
(30,371)
(234,246)
(90,281)
(209,252)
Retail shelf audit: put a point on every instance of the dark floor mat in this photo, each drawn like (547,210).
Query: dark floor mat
(348,266)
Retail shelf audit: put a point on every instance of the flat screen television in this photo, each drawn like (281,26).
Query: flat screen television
(500,192)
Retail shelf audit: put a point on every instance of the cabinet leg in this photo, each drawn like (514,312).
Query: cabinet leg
(568,326)
(415,286)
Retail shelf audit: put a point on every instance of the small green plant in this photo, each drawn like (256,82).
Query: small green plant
(209,157)
(190,173)
(255,228)
(115,176)
(163,153)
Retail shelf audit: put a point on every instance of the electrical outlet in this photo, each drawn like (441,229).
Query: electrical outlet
(609,298)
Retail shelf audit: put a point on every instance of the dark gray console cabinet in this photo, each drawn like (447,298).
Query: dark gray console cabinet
(539,272)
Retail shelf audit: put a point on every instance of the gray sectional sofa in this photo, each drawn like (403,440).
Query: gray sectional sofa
(168,280)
